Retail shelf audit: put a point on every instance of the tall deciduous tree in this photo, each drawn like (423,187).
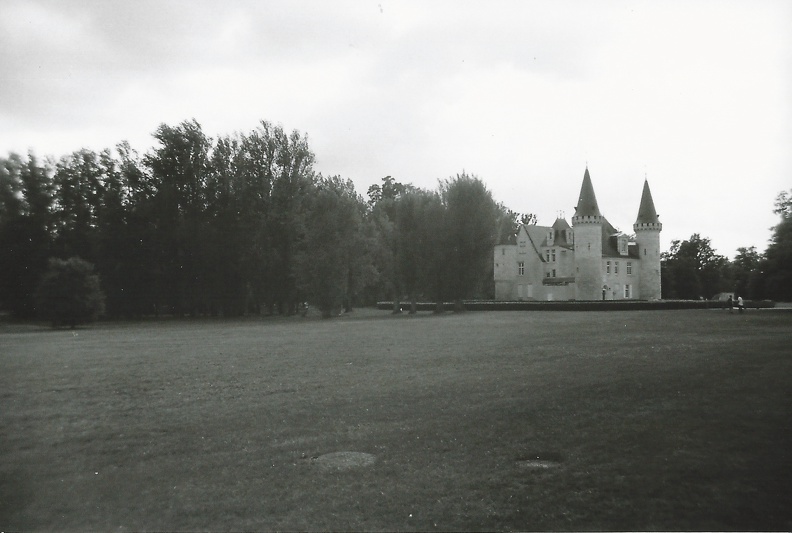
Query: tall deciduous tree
(777,267)
(288,164)
(745,272)
(412,232)
(26,225)
(226,239)
(691,269)
(471,227)
(180,168)
(433,248)
(386,224)
(325,257)
(79,182)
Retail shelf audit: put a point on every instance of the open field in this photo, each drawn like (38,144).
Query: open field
(645,420)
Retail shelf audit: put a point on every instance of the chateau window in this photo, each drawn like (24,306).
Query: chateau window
(547,274)
(623,246)
(629,268)
(547,255)
(522,247)
(616,267)
(554,273)
(607,267)
(553,254)
(521,268)
(627,291)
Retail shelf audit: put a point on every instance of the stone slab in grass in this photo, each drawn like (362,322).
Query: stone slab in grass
(537,463)
(540,460)
(344,460)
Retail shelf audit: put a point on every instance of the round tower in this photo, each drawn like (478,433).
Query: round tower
(587,227)
(647,229)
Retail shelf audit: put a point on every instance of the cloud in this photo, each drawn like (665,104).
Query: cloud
(692,94)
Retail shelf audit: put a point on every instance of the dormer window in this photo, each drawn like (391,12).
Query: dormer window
(569,236)
(623,245)
(550,239)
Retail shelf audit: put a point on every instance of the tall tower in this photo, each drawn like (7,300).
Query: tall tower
(647,229)
(587,225)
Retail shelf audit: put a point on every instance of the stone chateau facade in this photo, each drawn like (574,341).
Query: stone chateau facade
(589,260)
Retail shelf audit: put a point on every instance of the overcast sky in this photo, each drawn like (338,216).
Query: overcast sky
(695,96)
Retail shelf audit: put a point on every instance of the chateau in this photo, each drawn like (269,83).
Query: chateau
(590,260)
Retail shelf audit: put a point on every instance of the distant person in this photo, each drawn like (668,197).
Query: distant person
(730,303)
(740,305)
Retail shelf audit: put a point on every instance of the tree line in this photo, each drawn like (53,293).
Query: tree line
(243,224)
(237,224)
(692,269)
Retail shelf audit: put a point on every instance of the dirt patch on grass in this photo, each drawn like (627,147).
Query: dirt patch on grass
(540,460)
(344,460)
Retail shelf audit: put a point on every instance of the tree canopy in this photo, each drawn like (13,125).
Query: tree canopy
(692,269)
(776,269)
(242,223)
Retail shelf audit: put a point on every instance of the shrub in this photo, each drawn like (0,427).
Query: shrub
(69,293)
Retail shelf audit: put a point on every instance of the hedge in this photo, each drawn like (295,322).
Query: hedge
(594,305)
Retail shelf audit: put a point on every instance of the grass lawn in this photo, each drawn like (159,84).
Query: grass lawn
(645,420)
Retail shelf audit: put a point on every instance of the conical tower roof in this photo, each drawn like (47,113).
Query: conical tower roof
(647,213)
(587,201)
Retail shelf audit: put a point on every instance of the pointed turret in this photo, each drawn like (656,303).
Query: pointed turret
(587,224)
(647,236)
(646,213)
(587,201)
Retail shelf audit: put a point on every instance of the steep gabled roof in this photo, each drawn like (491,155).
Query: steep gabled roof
(647,213)
(559,228)
(561,224)
(535,234)
(587,201)
(608,246)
